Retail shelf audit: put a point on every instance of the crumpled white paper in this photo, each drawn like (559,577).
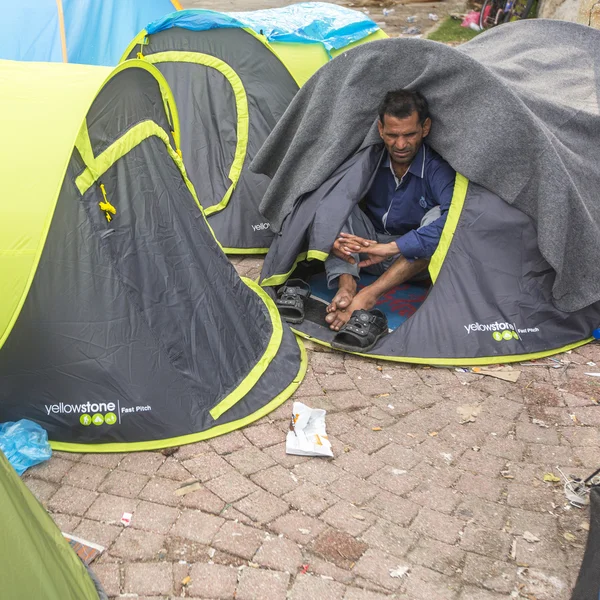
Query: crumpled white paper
(307,435)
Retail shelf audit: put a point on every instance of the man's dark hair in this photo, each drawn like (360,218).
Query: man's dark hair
(402,104)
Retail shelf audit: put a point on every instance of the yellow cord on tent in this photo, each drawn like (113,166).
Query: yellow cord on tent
(106,206)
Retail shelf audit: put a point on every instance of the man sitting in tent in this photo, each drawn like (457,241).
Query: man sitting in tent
(399,227)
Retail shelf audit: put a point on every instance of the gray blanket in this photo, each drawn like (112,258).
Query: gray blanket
(515,110)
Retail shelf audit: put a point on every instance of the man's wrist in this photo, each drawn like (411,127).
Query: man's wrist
(393,249)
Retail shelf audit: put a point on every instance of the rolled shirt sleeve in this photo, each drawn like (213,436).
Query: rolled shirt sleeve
(422,242)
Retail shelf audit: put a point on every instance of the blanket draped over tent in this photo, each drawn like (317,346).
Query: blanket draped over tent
(515,110)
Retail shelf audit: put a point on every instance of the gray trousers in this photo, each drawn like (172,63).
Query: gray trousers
(359,224)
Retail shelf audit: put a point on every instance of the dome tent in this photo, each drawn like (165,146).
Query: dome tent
(233,75)
(90,32)
(515,275)
(37,561)
(123,326)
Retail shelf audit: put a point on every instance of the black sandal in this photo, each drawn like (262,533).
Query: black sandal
(290,300)
(364,329)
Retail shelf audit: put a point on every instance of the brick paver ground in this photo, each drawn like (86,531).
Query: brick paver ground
(425,508)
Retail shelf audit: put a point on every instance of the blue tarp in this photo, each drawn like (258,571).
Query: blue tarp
(96,31)
(309,22)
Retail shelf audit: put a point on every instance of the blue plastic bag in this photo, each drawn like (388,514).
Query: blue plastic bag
(25,444)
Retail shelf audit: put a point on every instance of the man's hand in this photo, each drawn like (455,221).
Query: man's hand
(348,244)
(378,253)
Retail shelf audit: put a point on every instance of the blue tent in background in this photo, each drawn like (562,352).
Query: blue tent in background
(93,32)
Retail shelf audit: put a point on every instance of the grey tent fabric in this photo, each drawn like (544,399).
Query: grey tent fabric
(515,110)
(138,333)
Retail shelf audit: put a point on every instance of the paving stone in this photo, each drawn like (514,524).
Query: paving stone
(51,470)
(262,507)
(298,527)
(258,584)
(196,526)
(478,463)
(437,556)
(188,451)
(137,545)
(310,499)
(338,423)
(358,463)
(360,594)
(492,544)
(348,517)
(340,548)
(435,497)
(99,533)
(394,480)
(481,512)
(249,460)
(425,584)
(389,537)
(545,554)
(110,577)
(108,460)
(143,463)
(473,593)
(203,500)
(482,486)
(280,554)
(375,566)
(393,508)
(276,480)
(154,517)
(319,471)
(526,498)
(534,434)
(148,578)
(122,483)
(580,436)
(437,526)
(213,581)
(508,448)
(173,469)
(540,524)
(326,569)
(85,476)
(162,491)
(335,383)
(309,587)
(238,539)
(207,466)
(309,387)
(366,440)
(353,489)
(231,487)
(288,461)
(71,500)
(550,455)
(66,523)
(42,490)
(494,575)
(544,584)
(226,444)
(263,435)
(110,509)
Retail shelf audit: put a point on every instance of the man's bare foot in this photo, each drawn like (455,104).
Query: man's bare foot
(365,299)
(345,294)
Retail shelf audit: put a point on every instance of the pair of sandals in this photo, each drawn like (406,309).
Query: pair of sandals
(362,331)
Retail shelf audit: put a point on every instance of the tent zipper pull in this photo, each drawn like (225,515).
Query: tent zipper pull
(106,206)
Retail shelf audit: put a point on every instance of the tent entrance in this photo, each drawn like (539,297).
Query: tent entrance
(398,305)
(230,127)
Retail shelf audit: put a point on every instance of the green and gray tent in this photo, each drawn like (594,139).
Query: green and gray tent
(516,274)
(233,76)
(123,326)
(35,559)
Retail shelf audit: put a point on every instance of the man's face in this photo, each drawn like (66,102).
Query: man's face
(403,137)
